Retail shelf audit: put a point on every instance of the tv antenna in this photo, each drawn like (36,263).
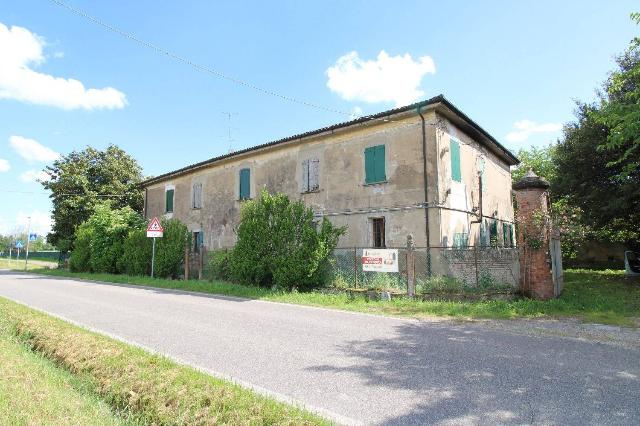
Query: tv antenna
(230,140)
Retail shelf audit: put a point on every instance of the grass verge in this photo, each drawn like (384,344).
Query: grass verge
(148,388)
(592,296)
(18,265)
(33,390)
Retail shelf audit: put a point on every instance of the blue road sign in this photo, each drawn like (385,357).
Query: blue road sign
(19,244)
(33,237)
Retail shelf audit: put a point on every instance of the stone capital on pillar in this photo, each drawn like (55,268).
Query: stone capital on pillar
(536,278)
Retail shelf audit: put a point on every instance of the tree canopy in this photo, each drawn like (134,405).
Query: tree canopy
(81,180)
(594,169)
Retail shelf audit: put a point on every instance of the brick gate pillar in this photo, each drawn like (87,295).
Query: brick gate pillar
(533,236)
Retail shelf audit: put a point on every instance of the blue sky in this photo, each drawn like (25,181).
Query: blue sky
(514,67)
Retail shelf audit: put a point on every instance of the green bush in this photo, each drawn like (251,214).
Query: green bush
(279,243)
(81,254)
(110,228)
(219,265)
(136,256)
(170,249)
(100,240)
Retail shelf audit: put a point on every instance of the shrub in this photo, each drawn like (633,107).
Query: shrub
(100,246)
(81,254)
(136,256)
(440,284)
(110,228)
(279,243)
(170,248)
(219,265)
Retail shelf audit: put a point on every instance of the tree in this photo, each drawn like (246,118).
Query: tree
(598,158)
(279,243)
(80,180)
(592,181)
(619,111)
(540,160)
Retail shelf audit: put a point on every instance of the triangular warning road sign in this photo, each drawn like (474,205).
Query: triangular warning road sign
(154,225)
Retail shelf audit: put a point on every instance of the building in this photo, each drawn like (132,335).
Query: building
(410,170)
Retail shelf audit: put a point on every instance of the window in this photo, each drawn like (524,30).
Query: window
(456,174)
(374,164)
(168,205)
(310,175)
(198,241)
(245,180)
(378,232)
(196,196)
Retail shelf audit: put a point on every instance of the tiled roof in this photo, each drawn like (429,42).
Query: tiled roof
(435,100)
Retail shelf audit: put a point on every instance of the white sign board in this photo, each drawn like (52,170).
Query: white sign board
(155,230)
(380,260)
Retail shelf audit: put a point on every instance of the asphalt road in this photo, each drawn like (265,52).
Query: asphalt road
(359,368)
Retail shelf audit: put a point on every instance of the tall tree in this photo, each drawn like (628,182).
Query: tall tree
(598,158)
(540,160)
(80,180)
(619,110)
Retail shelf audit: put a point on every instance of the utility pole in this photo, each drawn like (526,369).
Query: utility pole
(26,257)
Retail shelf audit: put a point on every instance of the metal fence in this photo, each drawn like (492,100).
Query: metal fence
(433,269)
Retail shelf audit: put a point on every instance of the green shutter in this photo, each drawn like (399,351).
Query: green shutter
(493,234)
(374,164)
(169,201)
(455,161)
(245,179)
(505,238)
(380,171)
(369,165)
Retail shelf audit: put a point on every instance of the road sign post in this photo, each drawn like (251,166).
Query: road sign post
(154,230)
(153,255)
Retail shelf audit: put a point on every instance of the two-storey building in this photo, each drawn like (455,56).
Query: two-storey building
(410,170)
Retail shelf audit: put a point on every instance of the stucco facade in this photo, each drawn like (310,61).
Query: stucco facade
(415,197)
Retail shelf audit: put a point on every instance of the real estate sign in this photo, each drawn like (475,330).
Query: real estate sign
(380,260)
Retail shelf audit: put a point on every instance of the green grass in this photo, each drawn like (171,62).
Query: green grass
(34,391)
(592,296)
(53,372)
(17,264)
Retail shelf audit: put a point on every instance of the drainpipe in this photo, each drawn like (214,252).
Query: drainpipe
(426,179)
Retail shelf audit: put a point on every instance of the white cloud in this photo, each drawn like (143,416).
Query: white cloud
(31,176)
(32,150)
(525,128)
(4,165)
(385,79)
(20,51)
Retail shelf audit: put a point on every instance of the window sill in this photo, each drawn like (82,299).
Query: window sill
(382,182)
(196,208)
(313,191)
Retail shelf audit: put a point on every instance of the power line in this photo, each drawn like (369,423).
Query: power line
(68,194)
(199,67)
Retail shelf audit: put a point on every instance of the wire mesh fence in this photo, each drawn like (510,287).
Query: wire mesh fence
(432,269)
